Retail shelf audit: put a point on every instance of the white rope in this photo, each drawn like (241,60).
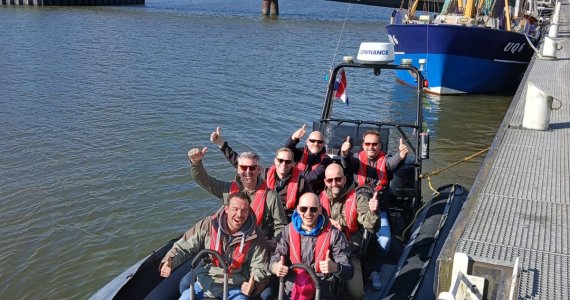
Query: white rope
(340,36)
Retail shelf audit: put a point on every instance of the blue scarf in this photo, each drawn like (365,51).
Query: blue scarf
(297,221)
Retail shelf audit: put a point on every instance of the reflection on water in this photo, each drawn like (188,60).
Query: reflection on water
(461,126)
(101,104)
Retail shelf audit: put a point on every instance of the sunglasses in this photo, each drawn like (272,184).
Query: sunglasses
(331,180)
(370,144)
(245,168)
(316,141)
(286,161)
(304,209)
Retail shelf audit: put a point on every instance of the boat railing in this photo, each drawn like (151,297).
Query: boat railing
(329,127)
(197,260)
(309,271)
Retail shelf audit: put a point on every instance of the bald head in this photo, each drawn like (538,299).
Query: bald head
(334,170)
(334,179)
(309,199)
(309,208)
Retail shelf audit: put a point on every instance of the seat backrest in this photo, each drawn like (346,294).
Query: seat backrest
(335,134)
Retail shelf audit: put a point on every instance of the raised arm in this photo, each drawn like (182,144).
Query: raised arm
(214,186)
(229,153)
(293,140)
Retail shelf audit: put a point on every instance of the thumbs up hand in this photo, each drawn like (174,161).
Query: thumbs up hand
(195,155)
(328,265)
(373,203)
(403,149)
(216,137)
(345,147)
(248,287)
(279,268)
(297,135)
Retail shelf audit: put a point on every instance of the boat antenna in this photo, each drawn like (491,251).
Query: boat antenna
(339,37)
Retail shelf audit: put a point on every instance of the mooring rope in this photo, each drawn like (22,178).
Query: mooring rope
(437,171)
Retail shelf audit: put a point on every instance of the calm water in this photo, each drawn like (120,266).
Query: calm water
(99,105)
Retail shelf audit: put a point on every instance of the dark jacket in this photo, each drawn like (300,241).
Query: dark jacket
(280,184)
(314,177)
(339,250)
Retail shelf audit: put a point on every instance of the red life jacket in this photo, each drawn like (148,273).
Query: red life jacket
(302,163)
(323,244)
(292,186)
(258,204)
(350,211)
(238,257)
(380,170)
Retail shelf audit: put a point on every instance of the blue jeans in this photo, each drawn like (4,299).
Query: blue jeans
(383,234)
(233,294)
(378,247)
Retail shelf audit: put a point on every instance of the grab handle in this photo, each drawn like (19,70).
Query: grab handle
(309,271)
(195,262)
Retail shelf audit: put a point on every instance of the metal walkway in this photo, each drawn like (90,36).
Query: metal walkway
(520,202)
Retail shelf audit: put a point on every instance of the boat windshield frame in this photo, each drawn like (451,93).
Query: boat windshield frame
(415,148)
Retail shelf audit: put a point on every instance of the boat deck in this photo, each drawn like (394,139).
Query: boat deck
(519,205)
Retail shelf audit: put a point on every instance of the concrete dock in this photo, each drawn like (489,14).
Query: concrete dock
(519,205)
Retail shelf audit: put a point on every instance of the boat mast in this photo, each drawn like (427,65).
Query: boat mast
(469,8)
(480,6)
(412,10)
(508,15)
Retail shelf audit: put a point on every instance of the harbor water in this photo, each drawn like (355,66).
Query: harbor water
(99,105)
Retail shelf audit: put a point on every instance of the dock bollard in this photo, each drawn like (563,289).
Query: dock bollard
(553,31)
(549,48)
(537,108)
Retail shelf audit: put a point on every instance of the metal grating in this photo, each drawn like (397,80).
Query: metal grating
(523,202)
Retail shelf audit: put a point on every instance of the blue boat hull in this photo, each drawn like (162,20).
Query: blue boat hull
(461,59)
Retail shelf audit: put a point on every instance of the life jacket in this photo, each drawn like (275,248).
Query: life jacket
(302,163)
(238,256)
(292,186)
(350,211)
(323,244)
(258,204)
(380,170)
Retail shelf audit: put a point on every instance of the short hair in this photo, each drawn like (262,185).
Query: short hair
(239,194)
(284,149)
(249,155)
(373,132)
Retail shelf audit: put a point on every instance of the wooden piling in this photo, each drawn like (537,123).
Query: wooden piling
(265,7)
(274,8)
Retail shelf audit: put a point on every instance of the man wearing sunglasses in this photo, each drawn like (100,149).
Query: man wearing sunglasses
(311,159)
(312,240)
(283,176)
(373,168)
(269,213)
(353,213)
